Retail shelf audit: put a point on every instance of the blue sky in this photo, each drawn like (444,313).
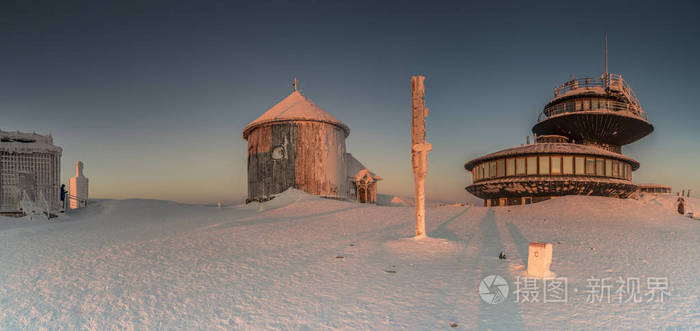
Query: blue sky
(153,96)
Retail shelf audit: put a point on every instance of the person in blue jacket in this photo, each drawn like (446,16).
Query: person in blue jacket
(63,195)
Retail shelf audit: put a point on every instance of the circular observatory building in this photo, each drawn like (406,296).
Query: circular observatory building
(577,148)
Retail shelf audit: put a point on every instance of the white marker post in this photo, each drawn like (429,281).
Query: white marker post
(419,150)
(539,259)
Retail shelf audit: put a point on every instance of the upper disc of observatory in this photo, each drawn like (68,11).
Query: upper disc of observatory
(601,111)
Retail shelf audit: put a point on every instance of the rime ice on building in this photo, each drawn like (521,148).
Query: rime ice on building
(297,144)
(578,149)
(29,172)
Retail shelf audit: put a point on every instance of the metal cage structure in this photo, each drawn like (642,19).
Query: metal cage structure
(30,173)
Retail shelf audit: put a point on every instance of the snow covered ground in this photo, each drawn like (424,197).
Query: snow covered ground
(303,262)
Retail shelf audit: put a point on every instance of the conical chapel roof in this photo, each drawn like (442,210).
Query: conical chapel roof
(295,107)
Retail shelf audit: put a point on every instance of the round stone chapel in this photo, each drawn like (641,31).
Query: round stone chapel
(296,144)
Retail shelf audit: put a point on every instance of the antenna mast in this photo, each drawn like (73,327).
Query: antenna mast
(606,54)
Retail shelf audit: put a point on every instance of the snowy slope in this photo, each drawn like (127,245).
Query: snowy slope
(303,262)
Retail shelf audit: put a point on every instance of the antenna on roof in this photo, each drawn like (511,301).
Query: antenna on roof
(606,54)
(295,84)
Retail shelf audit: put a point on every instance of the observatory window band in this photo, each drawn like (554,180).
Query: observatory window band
(552,165)
(510,167)
(622,170)
(556,165)
(532,165)
(579,168)
(599,167)
(520,166)
(544,165)
(567,165)
(590,166)
(584,104)
(501,168)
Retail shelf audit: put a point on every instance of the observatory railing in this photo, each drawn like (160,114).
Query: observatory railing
(579,83)
(613,82)
(587,105)
(610,82)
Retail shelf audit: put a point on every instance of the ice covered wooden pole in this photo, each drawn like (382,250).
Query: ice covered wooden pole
(419,149)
